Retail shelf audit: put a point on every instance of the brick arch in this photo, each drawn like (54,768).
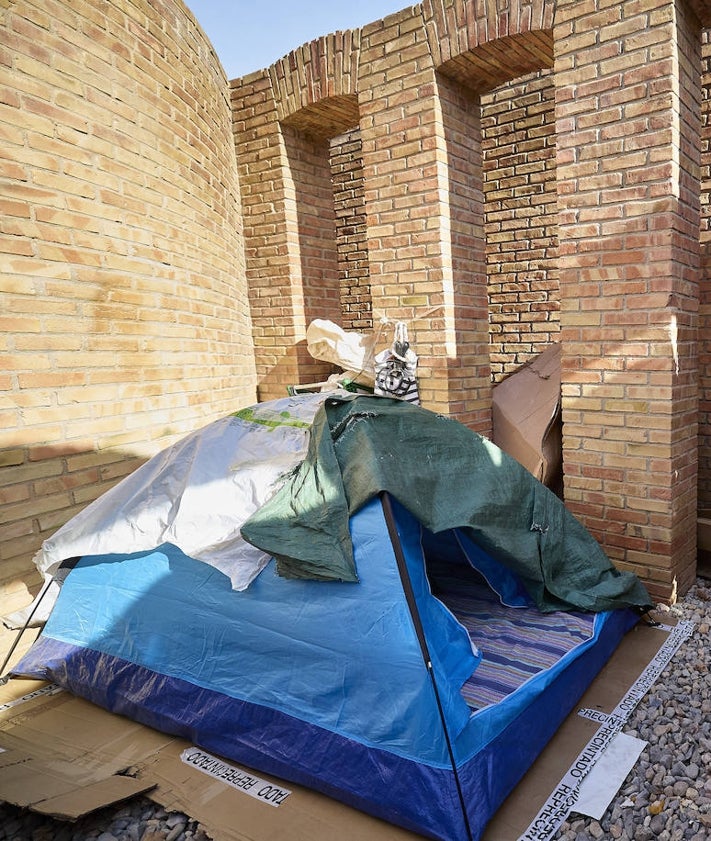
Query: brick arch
(319,79)
(702,9)
(489,65)
(454,27)
(327,118)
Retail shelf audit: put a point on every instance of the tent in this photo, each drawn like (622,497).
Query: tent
(398,616)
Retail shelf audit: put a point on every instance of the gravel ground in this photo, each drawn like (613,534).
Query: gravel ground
(666,797)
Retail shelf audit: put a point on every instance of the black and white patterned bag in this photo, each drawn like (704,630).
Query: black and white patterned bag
(396,369)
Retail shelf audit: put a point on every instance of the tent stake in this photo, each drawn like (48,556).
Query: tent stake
(3,677)
(59,577)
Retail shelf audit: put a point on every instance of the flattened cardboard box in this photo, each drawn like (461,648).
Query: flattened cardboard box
(526,416)
(62,756)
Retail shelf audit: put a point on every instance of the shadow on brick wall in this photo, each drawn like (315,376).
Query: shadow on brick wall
(41,488)
(295,367)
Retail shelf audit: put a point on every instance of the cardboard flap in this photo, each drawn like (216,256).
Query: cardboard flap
(65,757)
(40,778)
(525,410)
(80,801)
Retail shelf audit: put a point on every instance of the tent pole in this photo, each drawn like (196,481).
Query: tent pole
(59,576)
(3,677)
(419,630)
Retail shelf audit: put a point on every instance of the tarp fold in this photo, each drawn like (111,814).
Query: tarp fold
(360,446)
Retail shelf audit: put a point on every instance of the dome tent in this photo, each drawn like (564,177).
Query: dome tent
(422,616)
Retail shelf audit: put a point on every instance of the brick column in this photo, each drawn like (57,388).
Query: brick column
(627,109)
(422,174)
(260,160)
(705,292)
(281,180)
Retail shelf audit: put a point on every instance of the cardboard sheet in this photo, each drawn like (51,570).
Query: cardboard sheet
(526,416)
(65,757)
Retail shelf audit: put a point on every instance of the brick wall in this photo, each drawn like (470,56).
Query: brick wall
(356,309)
(552,149)
(518,155)
(390,155)
(124,315)
(519,150)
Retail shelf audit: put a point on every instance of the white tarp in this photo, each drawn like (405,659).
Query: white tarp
(197,493)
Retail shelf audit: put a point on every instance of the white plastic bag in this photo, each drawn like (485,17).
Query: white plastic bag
(349,350)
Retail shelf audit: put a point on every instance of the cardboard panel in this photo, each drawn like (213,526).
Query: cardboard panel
(526,416)
(232,815)
(74,804)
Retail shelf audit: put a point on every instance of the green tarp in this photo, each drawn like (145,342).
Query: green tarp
(448,477)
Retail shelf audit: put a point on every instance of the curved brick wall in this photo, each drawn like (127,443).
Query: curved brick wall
(125,316)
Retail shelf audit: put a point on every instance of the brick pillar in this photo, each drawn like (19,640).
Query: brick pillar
(260,159)
(627,110)
(289,234)
(705,292)
(466,311)
(422,173)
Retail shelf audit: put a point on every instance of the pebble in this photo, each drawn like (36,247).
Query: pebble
(137,820)
(666,797)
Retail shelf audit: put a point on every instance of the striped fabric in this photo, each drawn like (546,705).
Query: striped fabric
(516,643)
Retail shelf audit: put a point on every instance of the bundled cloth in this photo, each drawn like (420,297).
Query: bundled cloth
(349,350)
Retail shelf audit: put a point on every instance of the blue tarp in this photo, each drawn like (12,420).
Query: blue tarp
(321,683)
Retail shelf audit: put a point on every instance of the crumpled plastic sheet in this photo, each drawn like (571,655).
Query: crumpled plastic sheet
(195,494)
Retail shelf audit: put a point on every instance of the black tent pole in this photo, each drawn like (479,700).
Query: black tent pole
(3,677)
(59,577)
(419,630)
